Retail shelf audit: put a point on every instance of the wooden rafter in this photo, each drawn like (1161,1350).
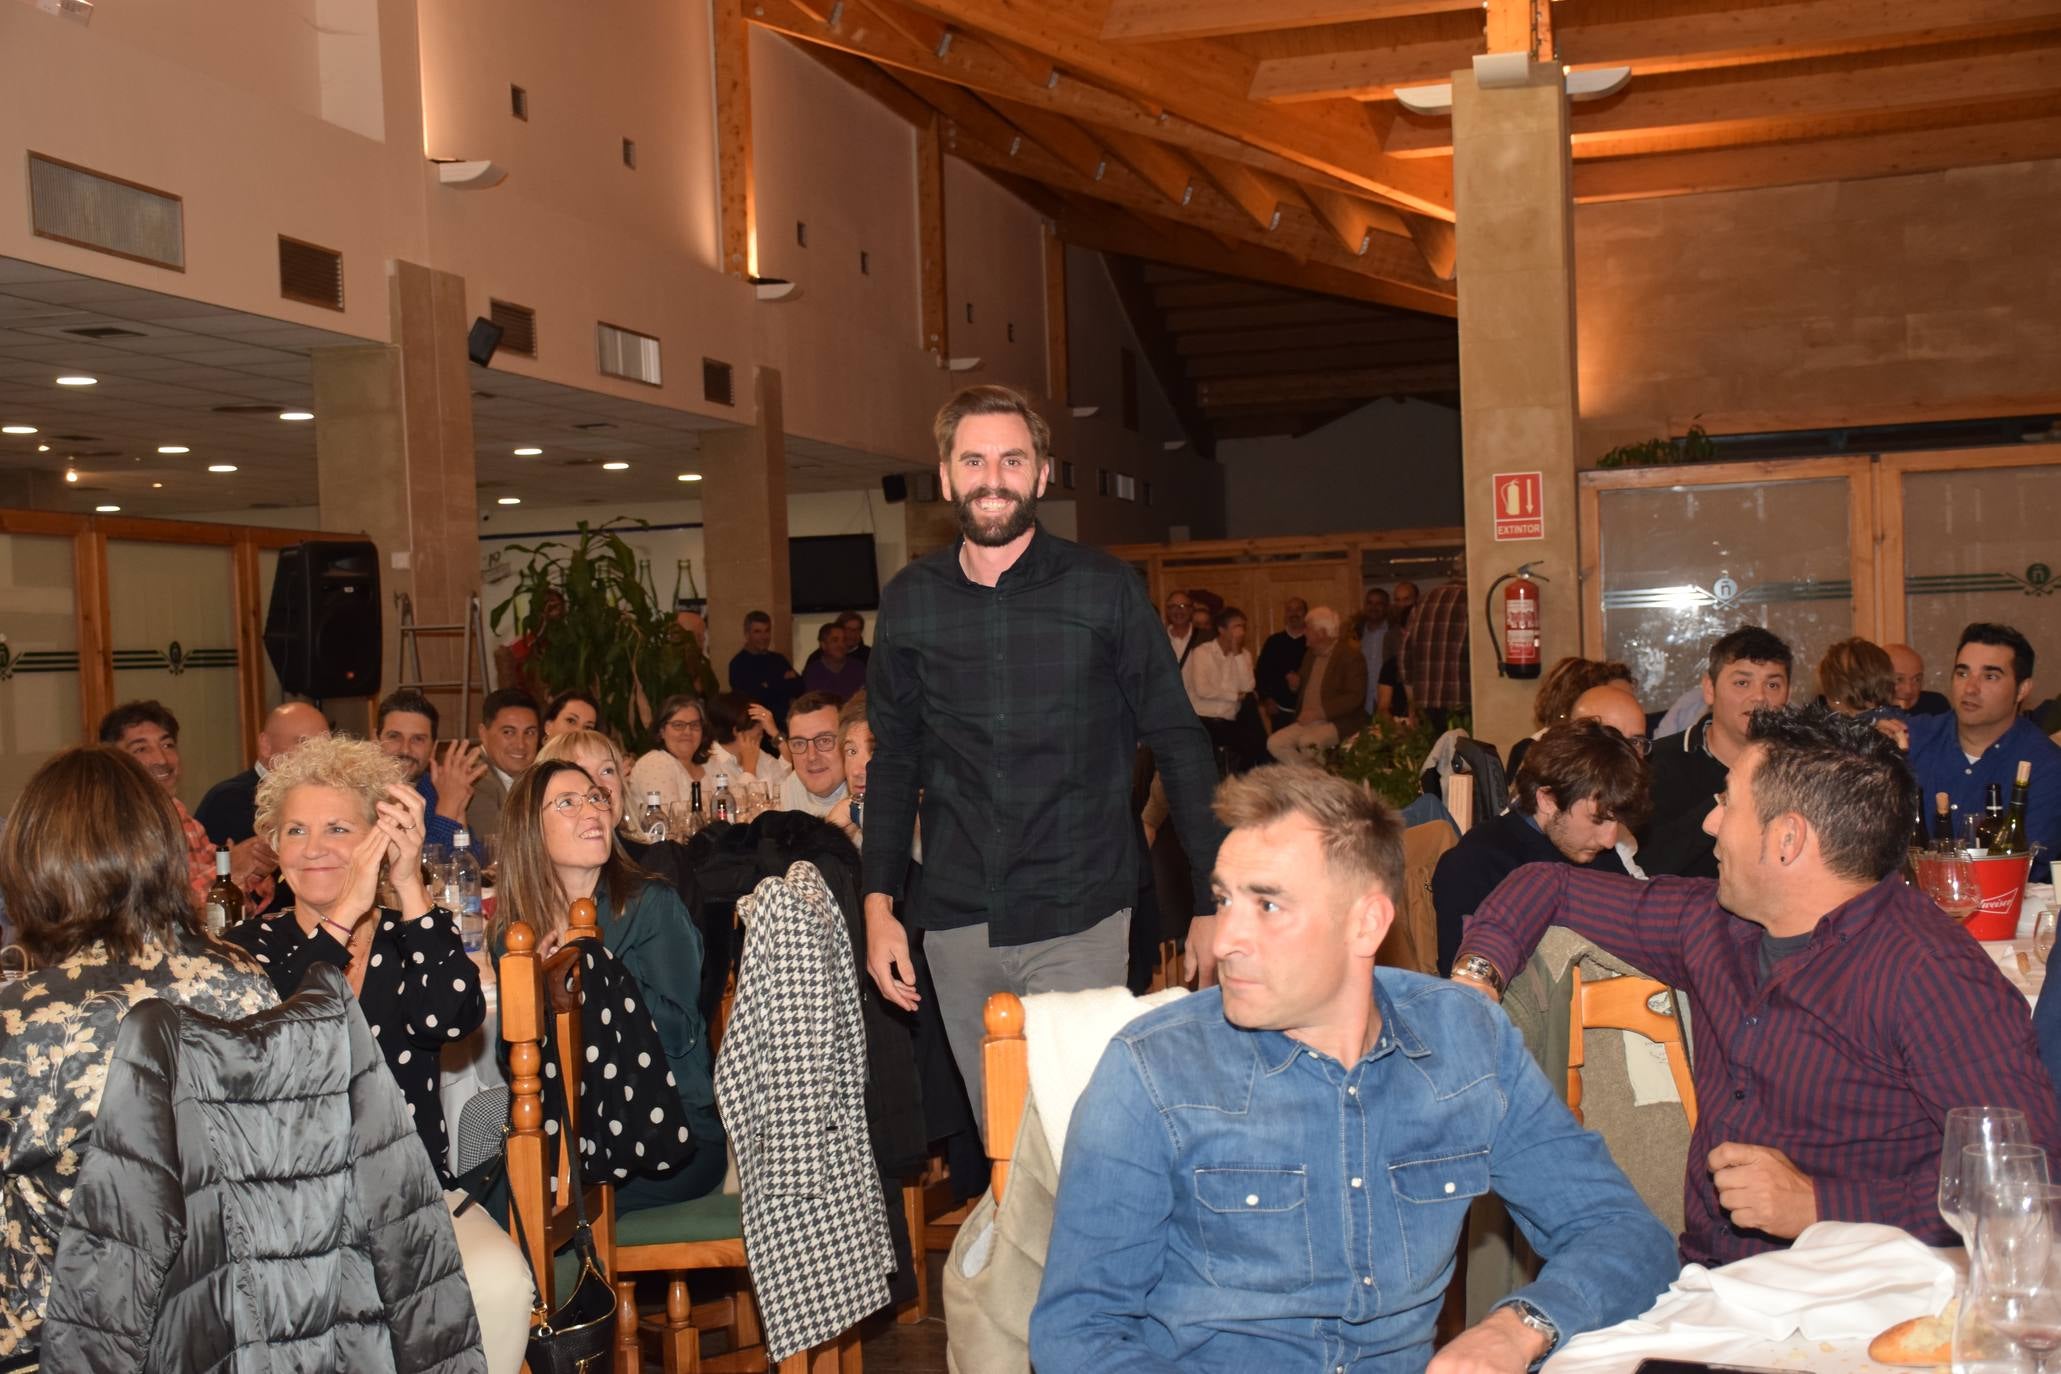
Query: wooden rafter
(1747,104)
(1058,136)
(1058,366)
(1164,169)
(1368,61)
(1207,82)
(936,312)
(957,104)
(1033,68)
(874,82)
(1257,194)
(737,201)
(919,28)
(1438,243)
(1876,155)
(1159,20)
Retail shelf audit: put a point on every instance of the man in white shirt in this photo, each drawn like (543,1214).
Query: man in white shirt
(817,783)
(1180,626)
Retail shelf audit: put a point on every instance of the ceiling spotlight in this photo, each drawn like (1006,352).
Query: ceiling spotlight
(614,467)
(296,414)
(690,477)
(78,380)
(221,467)
(17,429)
(42,448)
(157,486)
(107,510)
(173,448)
(528,452)
(71,474)
(511,501)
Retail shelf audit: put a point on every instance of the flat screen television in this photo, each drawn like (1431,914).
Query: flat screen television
(833,572)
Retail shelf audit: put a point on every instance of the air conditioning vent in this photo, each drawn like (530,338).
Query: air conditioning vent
(626,353)
(90,210)
(518,325)
(716,383)
(310,274)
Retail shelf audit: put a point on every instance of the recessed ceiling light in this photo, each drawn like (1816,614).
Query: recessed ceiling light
(157,486)
(78,380)
(221,467)
(107,510)
(528,452)
(511,500)
(173,448)
(296,414)
(613,467)
(690,477)
(42,448)
(71,474)
(17,429)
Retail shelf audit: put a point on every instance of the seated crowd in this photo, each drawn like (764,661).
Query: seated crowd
(1276,1169)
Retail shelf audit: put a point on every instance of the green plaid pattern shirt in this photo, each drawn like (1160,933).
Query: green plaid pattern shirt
(1014,712)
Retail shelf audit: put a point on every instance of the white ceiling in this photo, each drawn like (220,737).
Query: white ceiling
(176,361)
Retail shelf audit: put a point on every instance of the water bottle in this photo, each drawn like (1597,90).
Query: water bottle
(462,894)
(654,818)
(719,809)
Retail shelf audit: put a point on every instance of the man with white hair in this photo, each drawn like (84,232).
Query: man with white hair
(1331,700)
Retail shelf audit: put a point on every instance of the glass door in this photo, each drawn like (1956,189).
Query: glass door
(172,622)
(39,656)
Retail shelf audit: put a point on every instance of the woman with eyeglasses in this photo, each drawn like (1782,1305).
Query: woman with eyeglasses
(681,758)
(557,846)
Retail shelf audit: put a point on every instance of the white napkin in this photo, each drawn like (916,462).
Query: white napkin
(1066,1033)
(1841,1280)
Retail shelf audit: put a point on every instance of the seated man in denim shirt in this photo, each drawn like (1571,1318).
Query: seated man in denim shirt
(1273,1174)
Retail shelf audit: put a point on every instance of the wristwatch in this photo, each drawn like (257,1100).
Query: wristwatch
(1537,1321)
(1480,970)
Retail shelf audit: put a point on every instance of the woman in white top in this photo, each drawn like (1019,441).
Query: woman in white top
(681,758)
(1218,676)
(744,733)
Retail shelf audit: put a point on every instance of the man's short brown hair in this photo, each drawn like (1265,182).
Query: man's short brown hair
(1582,760)
(990,400)
(1362,834)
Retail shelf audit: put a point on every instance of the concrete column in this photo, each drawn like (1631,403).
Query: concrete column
(394,458)
(1518,401)
(744,524)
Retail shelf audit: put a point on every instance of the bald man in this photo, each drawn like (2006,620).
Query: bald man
(229,810)
(1910,683)
(1615,706)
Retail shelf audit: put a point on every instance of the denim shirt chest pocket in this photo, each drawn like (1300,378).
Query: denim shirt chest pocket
(1432,1198)
(1255,1225)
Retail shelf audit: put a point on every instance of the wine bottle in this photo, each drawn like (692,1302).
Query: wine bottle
(1943,819)
(224,904)
(1992,817)
(2009,836)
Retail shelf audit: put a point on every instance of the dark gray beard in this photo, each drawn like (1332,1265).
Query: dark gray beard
(994,536)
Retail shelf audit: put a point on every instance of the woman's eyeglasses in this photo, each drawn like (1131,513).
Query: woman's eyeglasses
(570,803)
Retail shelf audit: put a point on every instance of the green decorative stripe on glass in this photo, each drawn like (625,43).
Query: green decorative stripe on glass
(2038,580)
(174,658)
(1688,596)
(37,661)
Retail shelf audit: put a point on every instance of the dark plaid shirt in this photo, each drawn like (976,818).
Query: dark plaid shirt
(1015,711)
(1433,656)
(1847,1059)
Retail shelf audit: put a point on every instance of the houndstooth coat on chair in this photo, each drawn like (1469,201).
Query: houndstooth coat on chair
(791,1084)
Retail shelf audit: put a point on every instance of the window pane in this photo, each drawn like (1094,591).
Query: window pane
(1980,545)
(39,656)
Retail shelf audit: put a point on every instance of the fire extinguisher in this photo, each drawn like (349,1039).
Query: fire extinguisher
(1518,653)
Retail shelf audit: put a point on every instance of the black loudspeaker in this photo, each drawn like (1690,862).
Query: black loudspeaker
(322,627)
(482,341)
(895,488)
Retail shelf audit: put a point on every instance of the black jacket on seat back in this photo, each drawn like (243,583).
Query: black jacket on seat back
(256,1199)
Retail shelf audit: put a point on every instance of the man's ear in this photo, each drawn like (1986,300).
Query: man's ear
(1368,921)
(1709,691)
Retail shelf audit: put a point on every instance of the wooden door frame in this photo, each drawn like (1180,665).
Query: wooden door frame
(90,535)
(1862,518)
(1890,471)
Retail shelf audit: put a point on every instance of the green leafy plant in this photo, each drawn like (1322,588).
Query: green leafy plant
(1693,447)
(595,621)
(1386,756)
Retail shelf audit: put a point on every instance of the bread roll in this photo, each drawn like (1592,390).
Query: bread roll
(1920,1341)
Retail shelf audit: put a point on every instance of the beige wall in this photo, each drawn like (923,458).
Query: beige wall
(1863,302)
(1383,467)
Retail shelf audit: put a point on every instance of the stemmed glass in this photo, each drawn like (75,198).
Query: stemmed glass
(1971,1155)
(2010,1317)
(1949,880)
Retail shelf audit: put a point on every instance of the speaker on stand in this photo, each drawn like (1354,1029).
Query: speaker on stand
(322,628)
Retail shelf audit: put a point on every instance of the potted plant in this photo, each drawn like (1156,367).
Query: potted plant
(1387,757)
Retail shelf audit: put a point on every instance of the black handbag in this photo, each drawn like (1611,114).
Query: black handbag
(579,1338)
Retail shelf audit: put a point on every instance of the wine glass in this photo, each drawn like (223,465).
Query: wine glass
(1949,880)
(2010,1318)
(1983,1146)
(2043,936)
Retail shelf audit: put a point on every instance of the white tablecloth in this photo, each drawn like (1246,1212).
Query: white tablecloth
(469,1067)
(2020,965)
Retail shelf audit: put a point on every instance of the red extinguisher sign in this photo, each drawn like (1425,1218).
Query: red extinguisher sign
(1520,509)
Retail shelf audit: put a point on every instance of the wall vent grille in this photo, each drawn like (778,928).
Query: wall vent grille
(628,354)
(518,325)
(717,383)
(89,209)
(310,274)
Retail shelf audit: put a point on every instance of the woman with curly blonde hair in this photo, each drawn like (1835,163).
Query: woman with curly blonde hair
(337,812)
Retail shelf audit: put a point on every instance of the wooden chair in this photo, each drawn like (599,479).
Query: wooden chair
(1005,1064)
(1412,942)
(1633,1004)
(705,1233)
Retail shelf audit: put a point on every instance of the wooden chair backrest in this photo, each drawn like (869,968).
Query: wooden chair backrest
(1005,1065)
(1412,941)
(530,990)
(1627,1004)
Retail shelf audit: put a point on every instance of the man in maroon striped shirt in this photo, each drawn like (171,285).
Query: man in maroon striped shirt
(1839,1014)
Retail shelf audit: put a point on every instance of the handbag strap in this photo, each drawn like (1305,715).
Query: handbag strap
(583,1230)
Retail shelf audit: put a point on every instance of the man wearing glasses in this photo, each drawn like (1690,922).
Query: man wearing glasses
(817,782)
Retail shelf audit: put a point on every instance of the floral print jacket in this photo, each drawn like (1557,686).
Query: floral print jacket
(57,1035)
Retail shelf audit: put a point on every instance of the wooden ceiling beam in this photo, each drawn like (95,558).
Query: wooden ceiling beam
(1253,192)
(1029,65)
(1206,81)
(1345,217)
(1058,136)
(1651,37)
(1164,169)
(1851,159)
(1341,334)
(1154,239)
(919,28)
(1160,20)
(1731,104)
(1438,243)
(957,104)
(1695,138)
(736,189)
(1339,385)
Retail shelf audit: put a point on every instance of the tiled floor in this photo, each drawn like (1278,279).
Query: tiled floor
(918,1349)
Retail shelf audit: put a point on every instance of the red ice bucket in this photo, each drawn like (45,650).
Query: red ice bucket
(2001,881)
